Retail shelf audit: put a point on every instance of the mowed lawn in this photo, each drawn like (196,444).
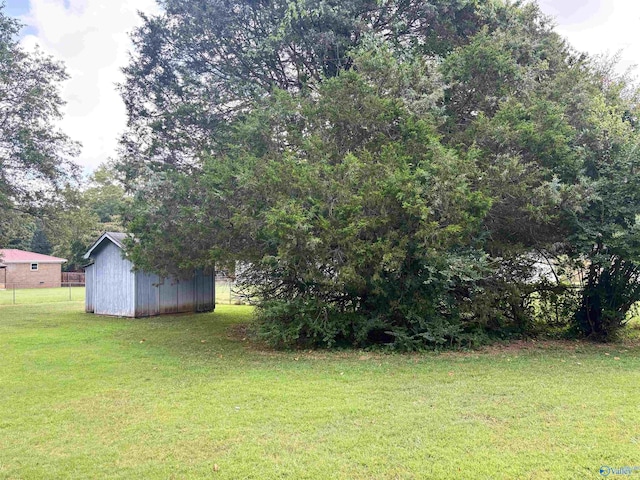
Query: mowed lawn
(189,396)
(23,296)
(29,296)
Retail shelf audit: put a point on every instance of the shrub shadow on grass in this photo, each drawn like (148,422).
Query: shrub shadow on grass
(225,335)
(203,335)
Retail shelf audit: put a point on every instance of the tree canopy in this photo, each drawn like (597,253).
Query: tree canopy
(408,173)
(82,215)
(35,156)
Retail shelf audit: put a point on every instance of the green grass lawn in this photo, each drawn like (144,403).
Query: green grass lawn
(25,296)
(41,295)
(189,396)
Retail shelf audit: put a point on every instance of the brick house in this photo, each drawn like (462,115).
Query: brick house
(29,270)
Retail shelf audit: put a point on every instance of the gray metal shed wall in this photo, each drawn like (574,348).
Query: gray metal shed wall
(205,292)
(156,296)
(167,296)
(89,281)
(146,294)
(114,282)
(186,295)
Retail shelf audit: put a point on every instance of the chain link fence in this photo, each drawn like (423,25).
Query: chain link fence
(226,292)
(21,294)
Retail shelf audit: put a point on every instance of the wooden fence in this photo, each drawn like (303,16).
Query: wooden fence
(73,279)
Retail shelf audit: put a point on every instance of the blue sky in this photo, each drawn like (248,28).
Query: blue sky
(19,8)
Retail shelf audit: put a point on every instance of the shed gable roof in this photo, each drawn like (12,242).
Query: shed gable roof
(13,255)
(117,238)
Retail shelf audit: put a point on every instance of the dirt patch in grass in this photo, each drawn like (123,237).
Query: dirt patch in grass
(240,331)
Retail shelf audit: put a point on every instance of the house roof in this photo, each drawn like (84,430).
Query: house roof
(117,238)
(12,255)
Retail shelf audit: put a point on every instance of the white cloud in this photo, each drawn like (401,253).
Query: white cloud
(599,26)
(91,38)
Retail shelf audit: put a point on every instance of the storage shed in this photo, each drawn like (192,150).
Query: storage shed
(113,287)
